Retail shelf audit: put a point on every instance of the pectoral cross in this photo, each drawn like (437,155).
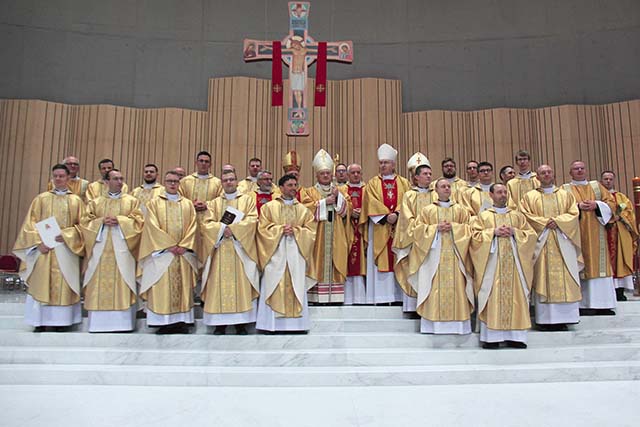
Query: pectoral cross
(299,51)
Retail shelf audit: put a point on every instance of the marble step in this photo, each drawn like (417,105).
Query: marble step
(313,358)
(29,374)
(313,340)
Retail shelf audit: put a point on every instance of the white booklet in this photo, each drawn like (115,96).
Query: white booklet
(232,215)
(48,229)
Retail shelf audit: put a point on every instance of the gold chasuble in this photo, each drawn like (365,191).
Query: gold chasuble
(503,269)
(77,186)
(144,193)
(519,186)
(458,187)
(439,264)
(231,280)
(622,236)
(52,278)
(331,248)
(412,204)
(282,257)
(204,189)
(382,197)
(558,259)
(167,280)
(593,234)
(110,268)
(99,188)
(476,199)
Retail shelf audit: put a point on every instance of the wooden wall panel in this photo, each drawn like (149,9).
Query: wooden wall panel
(240,123)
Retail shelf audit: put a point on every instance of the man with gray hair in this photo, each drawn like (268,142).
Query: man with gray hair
(266,190)
(76,185)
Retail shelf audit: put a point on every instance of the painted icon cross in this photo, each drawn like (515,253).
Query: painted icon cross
(299,51)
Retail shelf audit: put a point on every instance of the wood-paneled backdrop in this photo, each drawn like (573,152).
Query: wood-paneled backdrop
(240,123)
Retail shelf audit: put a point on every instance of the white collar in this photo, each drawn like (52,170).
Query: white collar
(60,192)
(392,176)
(525,175)
(485,187)
(289,202)
(148,186)
(574,182)
(446,204)
(114,195)
(172,197)
(500,210)
(205,176)
(422,190)
(231,196)
(547,190)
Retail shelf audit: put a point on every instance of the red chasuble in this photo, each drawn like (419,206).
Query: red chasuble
(262,199)
(354,267)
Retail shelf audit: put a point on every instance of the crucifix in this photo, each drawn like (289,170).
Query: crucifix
(298,50)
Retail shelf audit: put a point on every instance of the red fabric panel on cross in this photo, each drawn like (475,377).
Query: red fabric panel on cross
(277,89)
(320,99)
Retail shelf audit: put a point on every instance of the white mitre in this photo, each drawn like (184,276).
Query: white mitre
(416,160)
(322,161)
(387,152)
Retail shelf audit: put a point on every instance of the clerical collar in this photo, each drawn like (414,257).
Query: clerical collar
(252,178)
(446,204)
(392,176)
(500,210)
(288,202)
(324,187)
(574,182)
(231,196)
(548,190)
(263,192)
(359,184)
(485,187)
(60,192)
(525,175)
(148,186)
(422,190)
(205,176)
(114,195)
(451,180)
(473,183)
(172,197)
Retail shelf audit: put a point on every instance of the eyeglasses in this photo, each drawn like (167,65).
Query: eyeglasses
(172,181)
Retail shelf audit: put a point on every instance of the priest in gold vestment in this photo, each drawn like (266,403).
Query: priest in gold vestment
(286,231)
(458,185)
(330,207)
(150,188)
(230,278)
(502,249)
(477,198)
(597,207)
(380,210)
(167,259)
(413,202)
(76,185)
(525,181)
(622,237)
(553,214)
(52,273)
(439,265)
(99,187)
(111,228)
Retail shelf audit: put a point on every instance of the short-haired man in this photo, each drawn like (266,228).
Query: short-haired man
(502,245)
(472,173)
(111,228)
(507,173)
(76,185)
(99,187)
(458,185)
(167,259)
(524,181)
(478,198)
(266,190)
(51,269)
(150,188)
(250,183)
(286,232)
(291,165)
(231,280)
(622,237)
(341,174)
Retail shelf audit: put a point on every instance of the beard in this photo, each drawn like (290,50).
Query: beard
(449,175)
(147,181)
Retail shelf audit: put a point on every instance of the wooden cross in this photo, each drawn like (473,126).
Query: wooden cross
(299,51)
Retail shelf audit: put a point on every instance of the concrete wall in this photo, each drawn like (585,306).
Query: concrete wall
(449,54)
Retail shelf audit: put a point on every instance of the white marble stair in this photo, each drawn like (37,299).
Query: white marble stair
(356,346)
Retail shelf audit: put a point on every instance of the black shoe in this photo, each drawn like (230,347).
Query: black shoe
(39,329)
(241,330)
(411,315)
(544,327)
(620,296)
(605,312)
(587,312)
(515,344)
(165,330)
(220,330)
(61,328)
(491,345)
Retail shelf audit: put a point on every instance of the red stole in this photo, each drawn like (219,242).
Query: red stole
(390,199)
(353,264)
(262,199)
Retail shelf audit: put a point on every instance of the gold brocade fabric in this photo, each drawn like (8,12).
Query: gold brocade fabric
(372,205)
(476,200)
(107,290)
(593,234)
(273,217)
(626,232)
(99,188)
(518,187)
(507,307)
(551,278)
(46,283)
(77,186)
(227,288)
(170,224)
(447,300)
(331,246)
(145,195)
(412,204)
